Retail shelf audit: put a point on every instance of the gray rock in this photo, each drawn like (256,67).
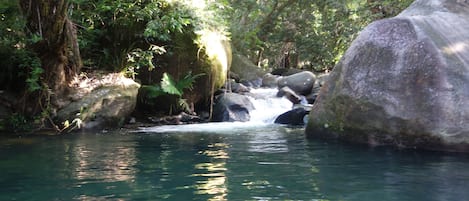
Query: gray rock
(105,107)
(404,82)
(245,69)
(270,81)
(289,94)
(235,87)
(302,83)
(321,79)
(232,107)
(255,83)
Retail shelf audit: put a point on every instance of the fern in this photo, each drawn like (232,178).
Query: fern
(171,86)
(154,91)
(188,81)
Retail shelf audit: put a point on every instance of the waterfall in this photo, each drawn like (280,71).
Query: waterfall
(267,108)
(267,105)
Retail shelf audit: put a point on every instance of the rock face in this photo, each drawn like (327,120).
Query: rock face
(404,81)
(232,107)
(106,106)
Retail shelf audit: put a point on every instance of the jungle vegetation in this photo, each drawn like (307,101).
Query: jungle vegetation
(45,43)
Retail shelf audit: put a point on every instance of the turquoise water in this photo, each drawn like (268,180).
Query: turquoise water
(263,162)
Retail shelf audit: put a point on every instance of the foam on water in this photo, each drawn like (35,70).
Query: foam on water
(267,108)
(267,105)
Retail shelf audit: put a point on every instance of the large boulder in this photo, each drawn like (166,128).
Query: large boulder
(301,83)
(404,81)
(230,107)
(245,69)
(105,106)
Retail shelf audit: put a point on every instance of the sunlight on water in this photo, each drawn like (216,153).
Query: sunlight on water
(213,179)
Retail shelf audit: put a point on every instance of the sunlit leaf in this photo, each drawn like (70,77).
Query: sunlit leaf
(169,85)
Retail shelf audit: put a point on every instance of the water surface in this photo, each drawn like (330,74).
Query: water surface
(226,162)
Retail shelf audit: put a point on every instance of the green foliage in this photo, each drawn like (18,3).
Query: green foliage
(18,62)
(140,59)
(135,36)
(17,123)
(170,86)
(34,79)
(175,21)
(154,91)
(130,35)
(313,33)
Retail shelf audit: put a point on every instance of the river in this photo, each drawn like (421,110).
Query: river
(222,161)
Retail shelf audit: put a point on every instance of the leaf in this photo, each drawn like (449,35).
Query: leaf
(169,85)
(154,91)
(66,124)
(187,81)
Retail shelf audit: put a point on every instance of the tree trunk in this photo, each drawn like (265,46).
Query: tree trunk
(57,47)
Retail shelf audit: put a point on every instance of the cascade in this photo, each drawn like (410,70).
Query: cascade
(267,108)
(267,105)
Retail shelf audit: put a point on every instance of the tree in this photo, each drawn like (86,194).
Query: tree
(57,45)
(311,34)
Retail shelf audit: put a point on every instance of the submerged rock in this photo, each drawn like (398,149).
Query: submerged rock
(404,81)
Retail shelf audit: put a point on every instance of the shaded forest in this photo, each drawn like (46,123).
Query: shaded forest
(45,44)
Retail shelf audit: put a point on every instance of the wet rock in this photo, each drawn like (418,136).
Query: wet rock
(232,107)
(235,87)
(293,117)
(404,82)
(289,94)
(311,98)
(182,118)
(254,83)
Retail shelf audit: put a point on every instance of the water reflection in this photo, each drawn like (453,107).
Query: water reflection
(212,179)
(387,174)
(268,142)
(194,166)
(104,160)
